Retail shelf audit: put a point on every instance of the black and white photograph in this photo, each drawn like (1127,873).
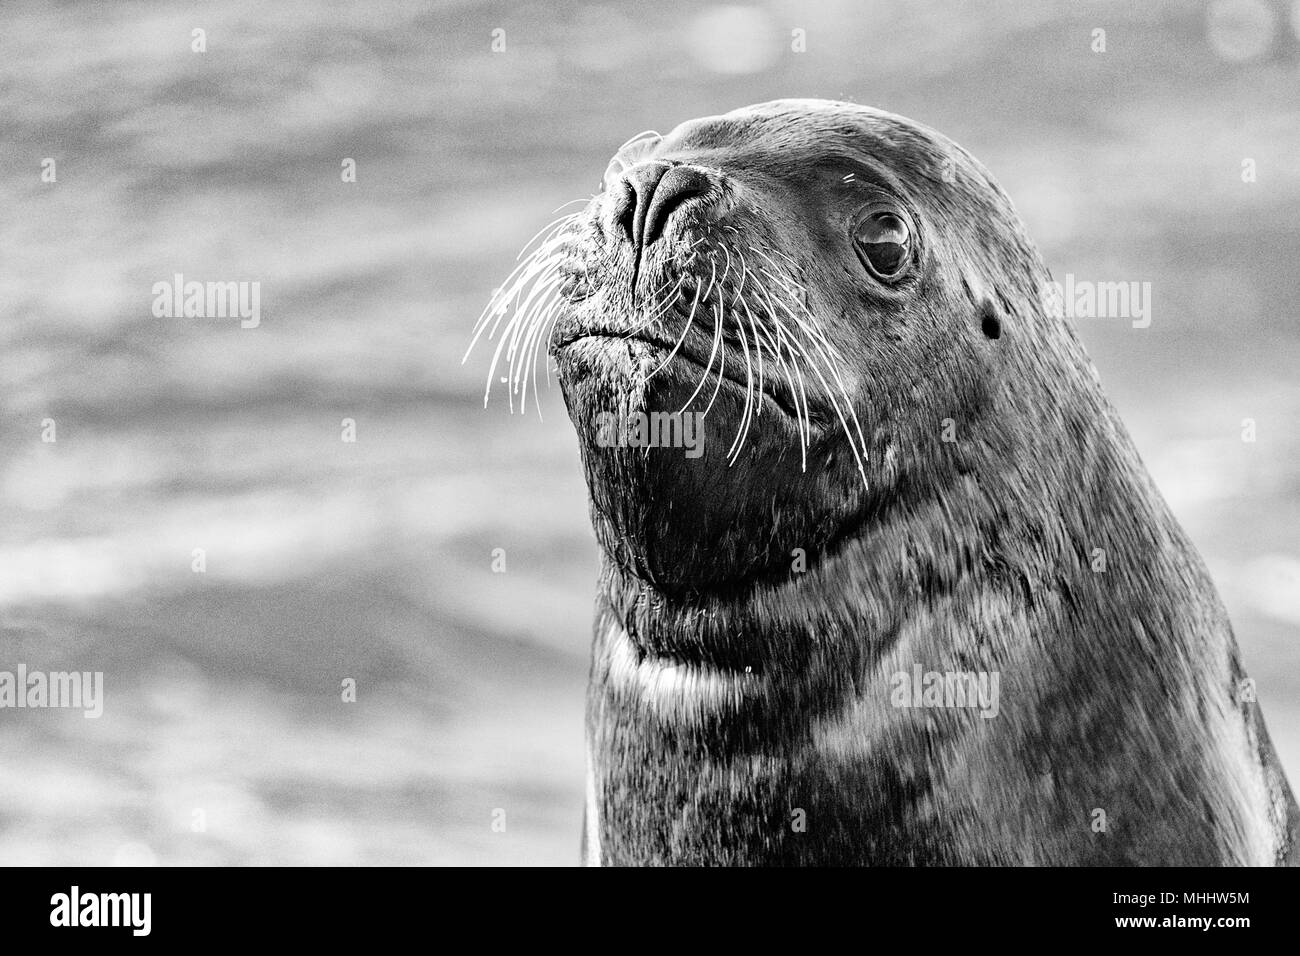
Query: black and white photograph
(780,433)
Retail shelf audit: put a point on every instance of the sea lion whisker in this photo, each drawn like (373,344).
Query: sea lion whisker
(795,384)
(814,329)
(806,433)
(521,353)
(794,381)
(797,289)
(859,447)
(550,341)
(544,316)
(510,338)
(666,300)
(644,134)
(713,276)
(833,359)
(794,376)
(507,343)
(535,268)
(810,329)
(572,201)
(499,304)
(719,325)
(797,293)
(832,368)
(859,456)
(550,229)
(492,369)
(787,258)
(686,328)
(758,345)
(690,319)
(717,335)
(792,285)
(726,271)
(830,360)
(722,354)
(546,321)
(733,453)
(546,282)
(526,294)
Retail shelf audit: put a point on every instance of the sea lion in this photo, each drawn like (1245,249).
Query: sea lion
(918,601)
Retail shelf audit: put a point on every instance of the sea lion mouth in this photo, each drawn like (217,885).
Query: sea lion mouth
(709,369)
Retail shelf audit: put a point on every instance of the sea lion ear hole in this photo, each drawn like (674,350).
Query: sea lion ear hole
(990,323)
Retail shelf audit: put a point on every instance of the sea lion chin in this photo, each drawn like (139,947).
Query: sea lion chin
(668,504)
(907,467)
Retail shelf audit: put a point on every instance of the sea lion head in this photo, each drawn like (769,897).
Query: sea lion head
(798,298)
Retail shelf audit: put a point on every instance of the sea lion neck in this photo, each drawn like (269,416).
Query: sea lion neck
(992,513)
(850,589)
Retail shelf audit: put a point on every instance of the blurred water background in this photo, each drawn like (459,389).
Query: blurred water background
(224,738)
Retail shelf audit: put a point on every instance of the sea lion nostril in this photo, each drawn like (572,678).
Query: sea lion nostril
(649,193)
(625,209)
(636,189)
(677,186)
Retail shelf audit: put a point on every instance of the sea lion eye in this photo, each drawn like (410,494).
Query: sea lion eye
(883,242)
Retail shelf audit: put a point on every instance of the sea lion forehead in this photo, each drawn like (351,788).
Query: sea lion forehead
(790,138)
(805,126)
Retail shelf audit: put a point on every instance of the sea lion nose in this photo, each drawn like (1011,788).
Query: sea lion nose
(649,193)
